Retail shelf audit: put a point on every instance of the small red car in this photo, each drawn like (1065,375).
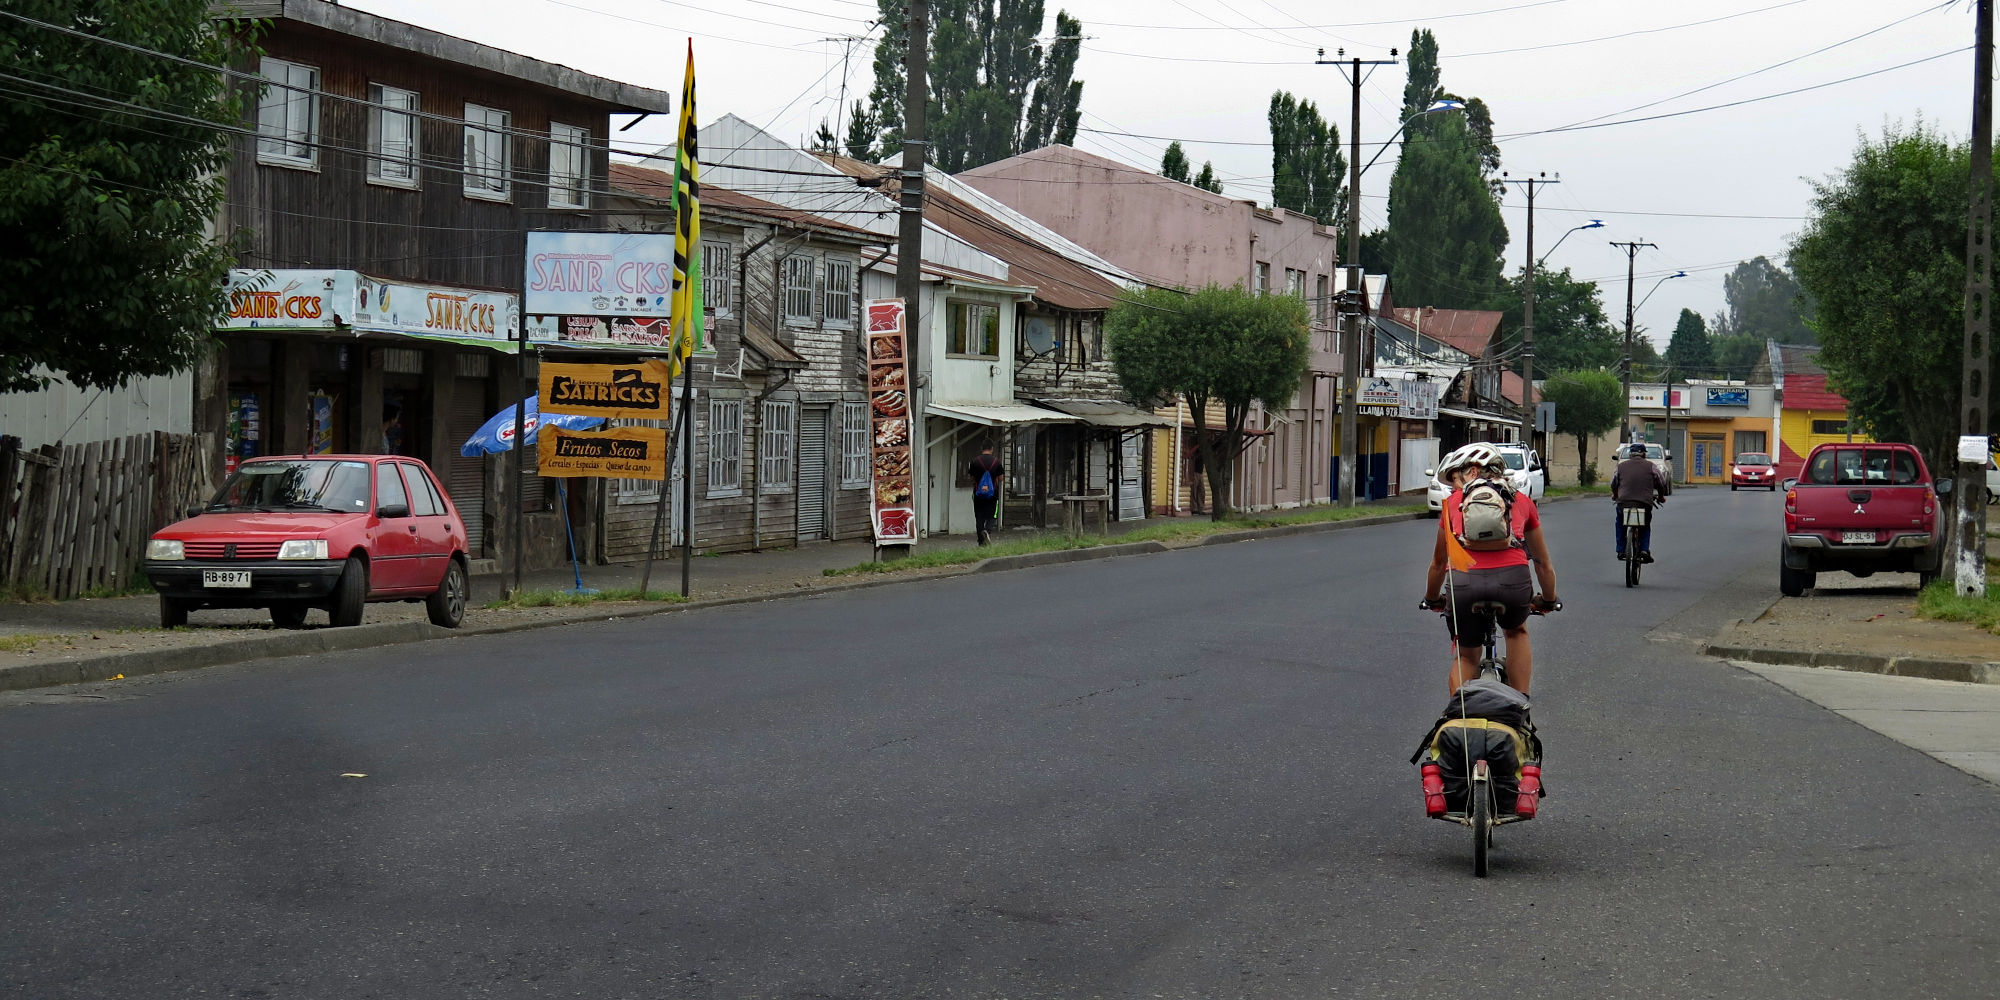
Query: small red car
(315,531)
(1753,468)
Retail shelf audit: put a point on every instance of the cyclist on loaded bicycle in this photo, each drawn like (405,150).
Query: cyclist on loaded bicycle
(1491,564)
(1637,483)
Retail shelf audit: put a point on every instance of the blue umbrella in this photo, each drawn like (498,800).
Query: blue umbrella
(497,435)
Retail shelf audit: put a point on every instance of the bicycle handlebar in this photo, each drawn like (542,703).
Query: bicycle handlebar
(1444,608)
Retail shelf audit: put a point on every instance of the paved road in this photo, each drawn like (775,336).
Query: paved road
(1180,775)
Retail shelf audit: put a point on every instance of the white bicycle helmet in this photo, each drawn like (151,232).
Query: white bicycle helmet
(1473,456)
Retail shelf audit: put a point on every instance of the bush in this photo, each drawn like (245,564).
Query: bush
(1587,476)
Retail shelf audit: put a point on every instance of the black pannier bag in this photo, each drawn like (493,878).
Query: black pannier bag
(1485,720)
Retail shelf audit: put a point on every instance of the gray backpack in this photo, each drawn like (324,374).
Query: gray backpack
(1486,516)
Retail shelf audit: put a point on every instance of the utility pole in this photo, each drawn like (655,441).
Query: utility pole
(1528,315)
(1969,576)
(1354,299)
(910,231)
(1631,255)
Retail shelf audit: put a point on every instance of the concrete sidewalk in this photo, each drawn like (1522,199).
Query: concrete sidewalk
(1956,723)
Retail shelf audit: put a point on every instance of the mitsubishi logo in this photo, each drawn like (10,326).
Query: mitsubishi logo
(1857,510)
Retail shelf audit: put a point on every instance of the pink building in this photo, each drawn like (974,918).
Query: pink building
(1175,235)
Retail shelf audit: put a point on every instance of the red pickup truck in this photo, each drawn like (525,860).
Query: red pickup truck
(1861,509)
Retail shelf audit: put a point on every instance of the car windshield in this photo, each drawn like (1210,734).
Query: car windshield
(1514,459)
(1753,458)
(1655,451)
(302,484)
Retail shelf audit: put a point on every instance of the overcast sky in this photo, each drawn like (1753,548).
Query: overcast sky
(1711,185)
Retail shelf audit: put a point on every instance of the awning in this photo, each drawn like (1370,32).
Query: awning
(998,414)
(1106,413)
(772,350)
(1453,411)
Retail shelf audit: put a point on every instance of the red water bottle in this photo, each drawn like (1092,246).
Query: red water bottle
(1433,790)
(1531,791)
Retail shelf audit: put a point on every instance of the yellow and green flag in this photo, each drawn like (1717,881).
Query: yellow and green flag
(686,315)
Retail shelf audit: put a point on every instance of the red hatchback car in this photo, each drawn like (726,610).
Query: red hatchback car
(1753,468)
(316,531)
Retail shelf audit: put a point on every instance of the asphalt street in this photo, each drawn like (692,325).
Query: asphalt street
(1175,775)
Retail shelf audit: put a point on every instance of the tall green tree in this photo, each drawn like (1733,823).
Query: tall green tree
(1571,330)
(1308,172)
(1220,345)
(1883,256)
(994,91)
(109,272)
(1174,164)
(1445,235)
(1588,403)
(1688,352)
(1766,302)
(1207,180)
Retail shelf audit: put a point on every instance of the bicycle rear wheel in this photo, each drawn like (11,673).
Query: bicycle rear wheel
(1631,557)
(1482,825)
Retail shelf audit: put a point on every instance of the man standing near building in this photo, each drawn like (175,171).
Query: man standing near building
(986,479)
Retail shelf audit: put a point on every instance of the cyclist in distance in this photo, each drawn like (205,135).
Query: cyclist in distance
(1488,536)
(1637,483)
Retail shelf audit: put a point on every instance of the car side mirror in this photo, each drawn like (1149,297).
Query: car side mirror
(195,511)
(389,510)
(1431,473)
(1788,484)
(1945,486)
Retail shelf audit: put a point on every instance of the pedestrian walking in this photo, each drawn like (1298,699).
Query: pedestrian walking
(986,475)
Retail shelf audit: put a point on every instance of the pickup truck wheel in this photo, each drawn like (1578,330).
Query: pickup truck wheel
(1925,578)
(1794,582)
(350,596)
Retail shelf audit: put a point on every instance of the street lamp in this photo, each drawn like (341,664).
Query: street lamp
(1657,284)
(1631,252)
(1446,104)
(1593,224)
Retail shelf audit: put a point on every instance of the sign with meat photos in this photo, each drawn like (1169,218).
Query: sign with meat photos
(893,499)
(620,453)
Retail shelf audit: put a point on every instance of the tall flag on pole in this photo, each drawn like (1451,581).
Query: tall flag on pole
(686,315)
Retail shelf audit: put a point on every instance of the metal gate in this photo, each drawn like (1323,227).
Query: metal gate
(812,474)
(466,479)
(1131,477)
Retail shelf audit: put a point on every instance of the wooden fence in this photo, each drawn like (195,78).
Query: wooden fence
(76,518)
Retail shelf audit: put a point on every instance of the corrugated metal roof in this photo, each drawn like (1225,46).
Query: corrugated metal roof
(1799,359)
(659,184)
(1469,330)
(1809,392)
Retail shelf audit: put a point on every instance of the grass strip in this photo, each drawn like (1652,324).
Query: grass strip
(1169,532)
(1942,602)
(576,599)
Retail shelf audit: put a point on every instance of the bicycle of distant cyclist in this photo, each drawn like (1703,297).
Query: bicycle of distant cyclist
(1633,519)
(1482,813)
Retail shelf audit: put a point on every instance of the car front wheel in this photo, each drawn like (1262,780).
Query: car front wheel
(350,596)
(446,605)
(173,612)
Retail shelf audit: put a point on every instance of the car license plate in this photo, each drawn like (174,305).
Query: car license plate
(225,578)
(1857,538)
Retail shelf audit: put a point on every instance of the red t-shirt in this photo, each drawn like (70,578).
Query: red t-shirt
(1525,516)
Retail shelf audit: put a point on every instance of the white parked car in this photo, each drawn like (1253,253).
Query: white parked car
(1524,470)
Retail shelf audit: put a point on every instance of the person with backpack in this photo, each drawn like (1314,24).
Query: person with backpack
(1488,536)
(987,477)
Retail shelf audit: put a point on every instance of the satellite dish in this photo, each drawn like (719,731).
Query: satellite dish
(1041,335)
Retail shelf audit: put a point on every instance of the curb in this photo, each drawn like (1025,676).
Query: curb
(1961,671)
(331,640)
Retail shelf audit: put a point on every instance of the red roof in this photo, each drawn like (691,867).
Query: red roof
(1469,330)
(1809,392)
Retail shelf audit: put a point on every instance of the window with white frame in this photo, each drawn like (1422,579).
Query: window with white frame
(799,290)
(392,135)
(1263,278)
(725,447)
(1321,303)
(975,330)
(774,445)
(839,292)
(716,274)
(569,166)
(853,446)
(488,154)
(630,491)
(288,114)
(1295,282)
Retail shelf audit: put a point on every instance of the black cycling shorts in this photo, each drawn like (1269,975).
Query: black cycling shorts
(1509,585)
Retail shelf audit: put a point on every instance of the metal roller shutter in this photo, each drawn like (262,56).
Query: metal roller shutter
(467,476)
(812,474)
